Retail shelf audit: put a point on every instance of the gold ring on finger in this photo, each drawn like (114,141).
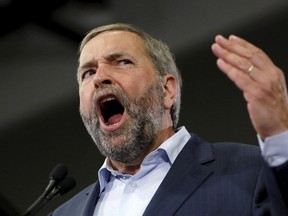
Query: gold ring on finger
(250,69)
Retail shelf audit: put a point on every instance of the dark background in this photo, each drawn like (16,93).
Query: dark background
(40,124)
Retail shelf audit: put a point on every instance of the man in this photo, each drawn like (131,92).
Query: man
(130,91)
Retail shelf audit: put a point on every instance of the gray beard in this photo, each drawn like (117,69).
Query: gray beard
(137,133)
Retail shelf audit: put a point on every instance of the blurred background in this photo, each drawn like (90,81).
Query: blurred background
(40,125)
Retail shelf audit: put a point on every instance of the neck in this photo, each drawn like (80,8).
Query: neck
(134,166)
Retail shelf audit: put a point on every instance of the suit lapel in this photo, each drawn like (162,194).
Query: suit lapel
(186,174)
(90,200)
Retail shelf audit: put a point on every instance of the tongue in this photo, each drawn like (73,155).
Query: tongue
(114,119)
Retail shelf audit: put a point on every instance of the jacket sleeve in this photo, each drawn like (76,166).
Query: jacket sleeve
(277,186)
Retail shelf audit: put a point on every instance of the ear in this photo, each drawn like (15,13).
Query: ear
(170,90)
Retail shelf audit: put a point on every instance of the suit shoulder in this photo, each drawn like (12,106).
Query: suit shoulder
(236,148)
(238,154)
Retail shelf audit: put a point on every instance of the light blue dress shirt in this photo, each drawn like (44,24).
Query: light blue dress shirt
(275,149)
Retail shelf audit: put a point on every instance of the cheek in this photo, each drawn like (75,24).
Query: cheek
(135,88)
(86,98)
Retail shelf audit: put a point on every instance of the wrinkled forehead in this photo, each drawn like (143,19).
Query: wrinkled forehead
(125,40)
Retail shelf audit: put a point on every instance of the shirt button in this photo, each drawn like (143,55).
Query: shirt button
(270,159)
(133,184)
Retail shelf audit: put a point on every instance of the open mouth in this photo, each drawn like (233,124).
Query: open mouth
(111,110)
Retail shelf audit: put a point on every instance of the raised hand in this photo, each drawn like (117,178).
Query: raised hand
(262,83)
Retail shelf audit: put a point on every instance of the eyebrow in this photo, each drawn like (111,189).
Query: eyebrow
(84,66)
(114,56)
(88,64)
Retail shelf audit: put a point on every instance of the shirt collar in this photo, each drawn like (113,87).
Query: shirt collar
(175,143)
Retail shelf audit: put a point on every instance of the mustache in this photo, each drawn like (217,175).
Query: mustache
(110,91)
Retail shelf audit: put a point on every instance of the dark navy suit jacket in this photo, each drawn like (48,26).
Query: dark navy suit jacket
(219,179)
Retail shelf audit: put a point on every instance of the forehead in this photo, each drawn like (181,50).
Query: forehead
(114,41)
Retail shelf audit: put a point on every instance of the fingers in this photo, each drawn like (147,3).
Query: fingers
(241,61)
(244,49)
(235,66)
(262,83)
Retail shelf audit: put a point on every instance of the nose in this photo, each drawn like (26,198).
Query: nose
(102,77)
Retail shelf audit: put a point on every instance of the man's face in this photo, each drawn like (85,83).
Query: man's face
(121,100)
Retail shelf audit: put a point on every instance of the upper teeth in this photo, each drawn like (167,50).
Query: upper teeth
(107,99)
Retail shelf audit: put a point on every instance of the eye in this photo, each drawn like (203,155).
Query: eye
(87,74)
(124,62)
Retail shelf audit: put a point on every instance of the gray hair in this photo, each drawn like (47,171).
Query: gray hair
(157,51)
